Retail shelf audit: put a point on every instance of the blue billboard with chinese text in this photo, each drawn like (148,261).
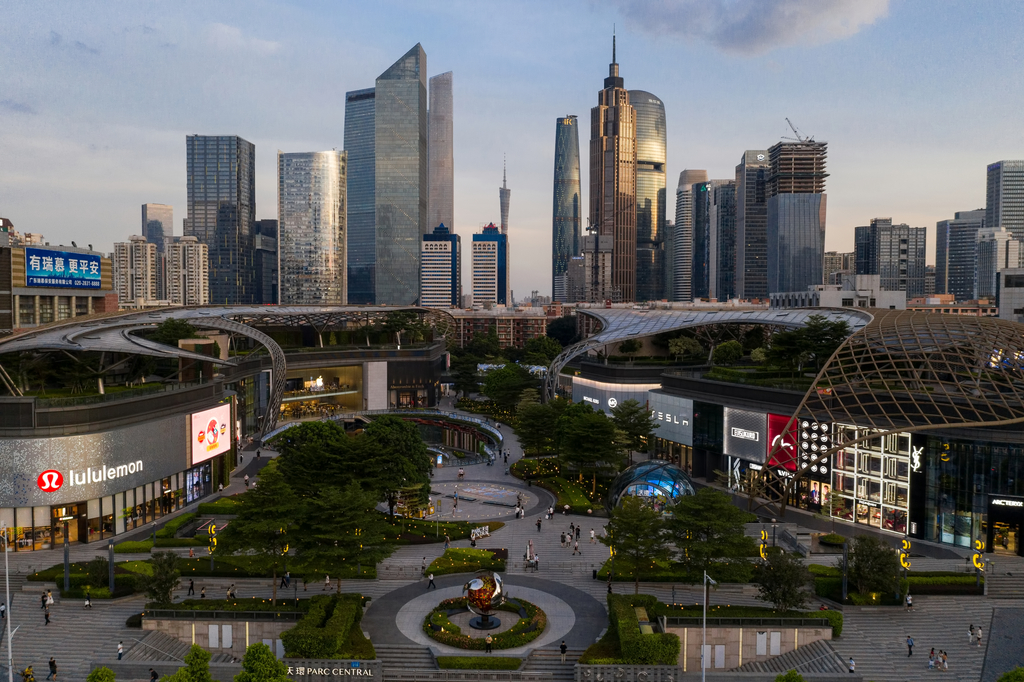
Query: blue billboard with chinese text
(46,268)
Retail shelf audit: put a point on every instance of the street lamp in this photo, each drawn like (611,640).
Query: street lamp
(7,581)
(704,628)
(774,526)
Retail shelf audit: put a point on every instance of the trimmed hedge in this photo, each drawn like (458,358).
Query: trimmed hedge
(478,663)
(525,630)
(730,571)
(326,629)
(835,618)
(179,542)
(462,560)
(638,648)
(251,604)
(225,506)
(133,547)
(171,528)
(426,531)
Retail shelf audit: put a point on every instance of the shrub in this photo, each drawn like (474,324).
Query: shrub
(180,542)
(526,629)
(638,648)
(100,674)
(174,525)
(465,561)
(819,571)
(791,676)
(478,663)
(133,546)
(1015,675)
(223,506)
(325,630)
(260,665)
(832,539)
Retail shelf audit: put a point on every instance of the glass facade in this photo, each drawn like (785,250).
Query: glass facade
(700,271)
(658,483)
(440,269)
(796,241)
(157,223)
(900,252)
(565,222)
(221,212)
(440,151)
(682,248)
(311,231)
(723,226)
(265,261)
(359,146)
(1004,196)
(651,147)
(400,132)
(955,254)
(752,225)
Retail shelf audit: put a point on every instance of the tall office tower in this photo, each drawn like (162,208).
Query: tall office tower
(613,182)
(596,250)
(929,280)
(440,269)
(221,211)
(752,225)
(722,218)
(900,251)
(360,106)
(796,215)
(1004,196)
(311,228)
(576,280)
(997,250)
(651,146)
(504,196)
(440,153)
(400,132)
(265,261)
(682,249)
(565,219)
(158,226)
(490,267)
(838,264)
(956,253)
(134,266)
(668,245)
(700,269)
(865,256)
(188,272)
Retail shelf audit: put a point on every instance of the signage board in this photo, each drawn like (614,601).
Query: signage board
(604,396)
(46,268)
(746,435)
(782,442)
(673,415)
(210,433)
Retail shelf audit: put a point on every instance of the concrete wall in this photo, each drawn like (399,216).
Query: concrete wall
(735,646)
(375,385)
(232,636)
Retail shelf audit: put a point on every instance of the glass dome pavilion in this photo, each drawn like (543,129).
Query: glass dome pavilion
(658,482)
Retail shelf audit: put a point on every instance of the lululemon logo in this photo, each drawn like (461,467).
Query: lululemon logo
(50,481)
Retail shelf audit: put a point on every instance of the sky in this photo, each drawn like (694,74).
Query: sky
(914,97)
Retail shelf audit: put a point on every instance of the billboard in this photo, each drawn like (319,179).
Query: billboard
(673,415)
(785,454)
(603,395)
(746,434)
(210,433)
(46,268)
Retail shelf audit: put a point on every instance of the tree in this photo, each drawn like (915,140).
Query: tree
(590,439)
(260,665)
(393,457)
(101,674)
(708,532)
(790,676)
(505,384)
(635,421)
(563,330)
(160,585)
(1015,675)
(543,348)
(197,667)
(874,566)
(464,374)
(780,580)
(728,353)
(684,345)
(342,527)
(815,342)
(759,355)
(630,347)
(485,345)
(637,534)
(172,330)
(535,427)
(98,571)
(261,527)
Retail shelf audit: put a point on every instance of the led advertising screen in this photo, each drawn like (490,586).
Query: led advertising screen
(673,415)
(604,396)
(46,268)
(211,433)
(746,434)
(782,442)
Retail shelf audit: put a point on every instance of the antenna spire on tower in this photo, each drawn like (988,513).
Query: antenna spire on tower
(613,44)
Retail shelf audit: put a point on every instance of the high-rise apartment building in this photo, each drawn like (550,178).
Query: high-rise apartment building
(360,108)
(651,144)
(440,269)
(135,272)
(837,265)
(956,253)
(682,248)
(440,153)
(221,211)
(1004,196)
(187,272)
(896,253)
(504,198)
(311,228)
(596,251)
(796,215)
(265,261)
(752,225)
(613,182)
(490,267)
(997,249)
(566,212)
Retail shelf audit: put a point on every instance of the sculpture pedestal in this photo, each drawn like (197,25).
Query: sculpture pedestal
(484,623)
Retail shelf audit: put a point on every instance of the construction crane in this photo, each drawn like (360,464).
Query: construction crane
(799,137)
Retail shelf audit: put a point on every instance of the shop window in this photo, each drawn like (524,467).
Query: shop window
(27,309)
(45,309)
(63,307)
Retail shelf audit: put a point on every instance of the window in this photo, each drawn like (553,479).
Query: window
(847,302)
(1013,281)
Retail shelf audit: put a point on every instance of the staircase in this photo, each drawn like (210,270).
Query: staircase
(1005,584)
(157,647)
(549,660)
(815,658)
(395,658)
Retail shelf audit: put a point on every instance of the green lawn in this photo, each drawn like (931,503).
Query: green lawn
(478,663)
(457,560)
(424,531)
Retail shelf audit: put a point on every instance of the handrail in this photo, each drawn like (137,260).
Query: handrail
(427,411)
(697,620)
(200,614)
(139,641)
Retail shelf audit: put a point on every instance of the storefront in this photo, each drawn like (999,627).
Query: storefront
(603,396)
(673,439)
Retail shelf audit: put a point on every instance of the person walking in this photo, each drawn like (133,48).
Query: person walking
(42,601)
(593,537)
(88,601)
(910,646)
(191,588)
(447,542)
(327,582)
(257,454)
(46,615)
(536,561)
(970,636)
(852,665)
(153,676)
(576,549)
(563,648)
(53,669)
(191,553)
(246,479)
(423,566)
(977,632)
(120,650)
(202,593)
(538,524)
(49,598)
(488,642)
(430,584)
(561,540)
(931,659)
(945,662)
(3,611)
(578,529)
(572,529)
(910,603)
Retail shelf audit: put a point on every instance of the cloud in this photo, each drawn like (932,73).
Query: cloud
(231,38)
(85,48)
(16,107)
(755,26)
(57,40)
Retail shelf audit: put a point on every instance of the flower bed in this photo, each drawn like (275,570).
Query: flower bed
(532,621)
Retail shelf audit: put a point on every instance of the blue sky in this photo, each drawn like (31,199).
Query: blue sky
(914,98)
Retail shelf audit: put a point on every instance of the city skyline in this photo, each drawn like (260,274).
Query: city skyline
(69,70)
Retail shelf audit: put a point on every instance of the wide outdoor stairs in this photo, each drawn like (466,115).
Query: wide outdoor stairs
(157,647)
(396,658)
(815,658)
(1006,584)
(549,660)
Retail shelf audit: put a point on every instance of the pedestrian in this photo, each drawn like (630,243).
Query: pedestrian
(572,528)
(327,582)
(447,542)
(49,598)
(970,635)
(536,561)
(287,578)
(42,601)
(910,646)
(538,524)
(578,529)
(246,479)
(257,454)
(423,565)
(191,553)
(561,540)
(240,459)
(120,650)
(852,666)
(945,662)
(284,581)
(202,593)
(191,588)
(576,549)
(488,641)
(53,669)
(563,648)
(431,583)
(153,676)
(931,659)
(593,537)
(977,632)
(46,615)
(3,610)
(228,593)
(910,603)
(88,601)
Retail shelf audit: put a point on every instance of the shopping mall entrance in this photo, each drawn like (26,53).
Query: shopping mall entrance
(74,515)
(1005,523)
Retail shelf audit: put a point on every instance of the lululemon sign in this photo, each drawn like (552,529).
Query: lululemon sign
(50,481)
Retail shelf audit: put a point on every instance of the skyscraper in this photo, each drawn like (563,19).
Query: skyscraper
(613,182)
(221,211)
(440,269)
(441,176)
(490,267)
(157,223)
(700,269)
(311,227)
(796,215)
(187,280)
(400,154)
(682,248)
(901,256)
(752,225)
(360,107)
(997,250)
(865,249)
(1004,196)
(504,197)
(956,253)
(135,273)
(265,261)
(722,218)
(565,220)
(837,265)
(651,144)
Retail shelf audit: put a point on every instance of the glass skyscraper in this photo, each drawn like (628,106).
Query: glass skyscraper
(752,225)
(441,205)
(441,269)
(956,253)
(651,146)
(221,211)
(700,270)
(565,221)
(157,223)
(311,227)
(722,218)
(400,131)
(361,195)
(490,267)
(682,249)
(1004,196)
(265,261)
